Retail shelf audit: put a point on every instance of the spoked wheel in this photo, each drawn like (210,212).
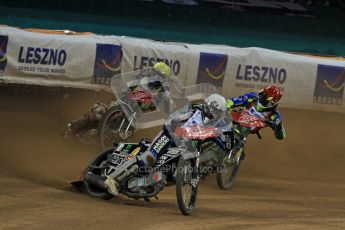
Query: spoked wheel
(226,173)
(186,185)
(112,128)
(94,177)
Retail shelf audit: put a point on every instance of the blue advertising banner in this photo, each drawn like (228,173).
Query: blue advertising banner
(329,86)
(107,63)
(3,56)
(212,67)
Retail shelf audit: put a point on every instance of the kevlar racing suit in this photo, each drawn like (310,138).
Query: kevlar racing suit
(188,115)
(156,84)
(249,101)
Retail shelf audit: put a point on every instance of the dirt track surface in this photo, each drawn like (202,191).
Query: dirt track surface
(298,183)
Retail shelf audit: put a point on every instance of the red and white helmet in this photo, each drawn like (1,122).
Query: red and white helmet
(269,97)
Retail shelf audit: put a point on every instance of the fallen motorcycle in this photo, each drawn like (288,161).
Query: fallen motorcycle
(107,124)
(85,129)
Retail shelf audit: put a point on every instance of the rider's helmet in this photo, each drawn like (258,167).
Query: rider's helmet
(214,106)
(269,97)
(163,69)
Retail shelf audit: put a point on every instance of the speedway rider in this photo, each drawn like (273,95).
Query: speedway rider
(158,82)
(212,113)
(262,104)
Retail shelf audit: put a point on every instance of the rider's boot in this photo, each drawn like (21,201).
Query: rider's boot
(111,185)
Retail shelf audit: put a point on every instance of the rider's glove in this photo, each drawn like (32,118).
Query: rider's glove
(229,104)
(278,129)
(280,132)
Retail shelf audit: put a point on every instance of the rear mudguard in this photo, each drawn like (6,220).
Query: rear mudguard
(77,183)
(95,180)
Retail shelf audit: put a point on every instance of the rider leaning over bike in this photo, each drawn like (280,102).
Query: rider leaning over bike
(211,113)
(158,81)
(263,105)
(214,113)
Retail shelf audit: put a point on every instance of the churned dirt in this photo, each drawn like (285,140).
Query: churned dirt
(298,183)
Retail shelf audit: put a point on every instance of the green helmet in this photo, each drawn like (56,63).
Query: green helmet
(163,69)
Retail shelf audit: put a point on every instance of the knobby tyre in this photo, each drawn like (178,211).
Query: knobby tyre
(95,169)
(186,193)
(109,127)
(226,173)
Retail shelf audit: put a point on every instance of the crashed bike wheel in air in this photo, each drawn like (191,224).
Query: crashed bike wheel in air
(94,177)
(186,190)
(112,127)
(226,173)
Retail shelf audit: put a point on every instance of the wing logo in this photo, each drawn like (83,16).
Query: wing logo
(212,68)
(335,87)
(330,84)
(107,63)
(213,75)
(218,69)
(3,56)
(112,64)
(111,68)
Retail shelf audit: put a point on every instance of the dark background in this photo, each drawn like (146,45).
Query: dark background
(318,30)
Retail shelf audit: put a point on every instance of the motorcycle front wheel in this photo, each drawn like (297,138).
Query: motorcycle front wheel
(226,173)
(93,177)
(186,185)
(112,126)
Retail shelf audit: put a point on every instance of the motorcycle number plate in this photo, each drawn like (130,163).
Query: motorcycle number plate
(116,159)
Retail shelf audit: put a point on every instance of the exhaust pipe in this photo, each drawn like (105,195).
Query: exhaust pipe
(128,172)
(95,180)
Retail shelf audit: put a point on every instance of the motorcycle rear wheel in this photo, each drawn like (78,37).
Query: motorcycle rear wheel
(186,193)
(92,189)
(108,128)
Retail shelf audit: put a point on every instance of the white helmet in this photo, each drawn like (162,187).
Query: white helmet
(215,106)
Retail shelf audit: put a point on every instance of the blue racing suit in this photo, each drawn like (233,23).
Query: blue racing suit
(249,101)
